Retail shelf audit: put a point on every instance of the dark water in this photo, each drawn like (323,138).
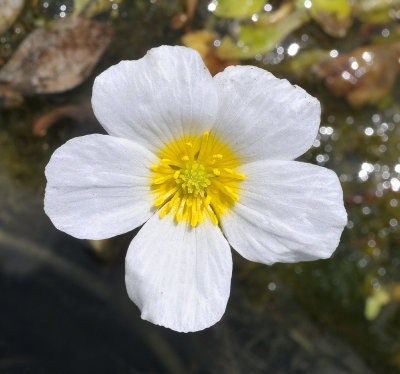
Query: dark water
(64,307)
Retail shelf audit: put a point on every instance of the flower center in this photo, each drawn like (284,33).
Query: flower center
(195,178)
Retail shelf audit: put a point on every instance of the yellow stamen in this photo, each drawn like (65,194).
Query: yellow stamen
(196,179)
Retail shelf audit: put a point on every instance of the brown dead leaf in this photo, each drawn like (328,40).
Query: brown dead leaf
(203,42)
(56,59)
(74,112)
(363,76)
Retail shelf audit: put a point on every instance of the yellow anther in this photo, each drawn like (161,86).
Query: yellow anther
(176,174)
(185,158)
(217,156)
(155,167)
(190,145)
(216,171)
(195,166)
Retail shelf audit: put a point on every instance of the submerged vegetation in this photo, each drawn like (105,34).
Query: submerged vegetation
(346,53)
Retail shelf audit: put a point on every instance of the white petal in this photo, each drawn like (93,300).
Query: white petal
(264,117)
(164,95)
(98,186)
(288,211)
(179,276)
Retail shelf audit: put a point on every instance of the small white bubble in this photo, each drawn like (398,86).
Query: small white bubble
(354,65)
(362,263)
(293,49)
(394,203)
(381,271)
(369,131)
(350,224)
(254,17)
(308,4)
(393,222)
(346,75)
(366,210)
(367,57)
(272,286)
(385,33)
(62,14)
(45,4)
(320,158)
(304,37)
(212,6)
(333,53)
(376,118)
(268,7)
(371,243)
(63,8)
(395,183)
(217,43)
(280,50)
(316,143)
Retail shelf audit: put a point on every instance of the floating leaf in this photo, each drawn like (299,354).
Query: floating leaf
(9,12)
(375,302)
(377,11)
(74,112)
(58,58)
(363,76)
(238,9)
(255,40)
(334,16)
(91,8)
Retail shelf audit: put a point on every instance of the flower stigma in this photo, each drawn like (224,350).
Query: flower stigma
(196,177)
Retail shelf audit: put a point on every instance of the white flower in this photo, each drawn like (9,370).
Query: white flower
(203,163)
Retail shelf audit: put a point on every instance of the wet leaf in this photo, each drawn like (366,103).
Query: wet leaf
(74,112)
(334,16)
(278,15)
(58,58)
(363,76)
(238,9)
(260,40)
(375,302)
(9,12)
(203,42)
(377,11)
(9,98)
(91,8)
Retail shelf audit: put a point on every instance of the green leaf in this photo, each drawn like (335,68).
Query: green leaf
(334,16)
(260,40)
(238,8)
